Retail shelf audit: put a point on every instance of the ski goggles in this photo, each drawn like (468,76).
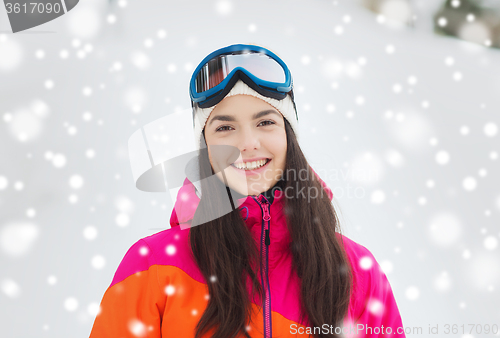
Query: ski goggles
(258,67)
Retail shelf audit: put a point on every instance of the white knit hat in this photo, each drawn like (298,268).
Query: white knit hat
(286,107)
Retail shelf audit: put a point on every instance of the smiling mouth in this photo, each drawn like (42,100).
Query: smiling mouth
(247,166)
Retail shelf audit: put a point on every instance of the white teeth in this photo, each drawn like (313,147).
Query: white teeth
(250,165)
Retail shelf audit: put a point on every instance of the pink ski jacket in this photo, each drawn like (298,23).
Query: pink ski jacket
(158,290)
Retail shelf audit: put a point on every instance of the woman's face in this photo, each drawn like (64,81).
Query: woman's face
(256,130)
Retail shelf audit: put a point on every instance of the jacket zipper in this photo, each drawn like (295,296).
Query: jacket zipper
(265,242)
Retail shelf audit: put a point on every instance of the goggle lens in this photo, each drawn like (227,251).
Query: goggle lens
(258,64)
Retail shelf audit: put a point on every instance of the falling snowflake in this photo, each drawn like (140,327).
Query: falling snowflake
(445,229)
(412,293)
(18,238)
(169,290)
(4,182)
(76,181)
(137,328)
(122,219)
(377,197)
(442,157)
(442,282)
(11,54)
(90,232)
(490,243)
(98,262)
(490,129)
(71,304)
(469,183)
(375,306)
(366,263)
(224,7)
(10,288)
(170,250)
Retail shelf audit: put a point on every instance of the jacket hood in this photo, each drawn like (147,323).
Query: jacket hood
(187,201)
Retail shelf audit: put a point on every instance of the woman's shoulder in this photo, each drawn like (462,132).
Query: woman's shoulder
(365,268)
(372,299)
(355,251)
(158,240)
(369,280)
(167,248)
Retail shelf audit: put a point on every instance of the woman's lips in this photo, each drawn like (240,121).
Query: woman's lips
(254,171)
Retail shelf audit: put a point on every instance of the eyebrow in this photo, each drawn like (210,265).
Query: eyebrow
(231,118)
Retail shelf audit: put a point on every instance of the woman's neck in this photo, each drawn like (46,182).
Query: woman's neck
(269,193)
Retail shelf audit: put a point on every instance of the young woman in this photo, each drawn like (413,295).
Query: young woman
(254,248)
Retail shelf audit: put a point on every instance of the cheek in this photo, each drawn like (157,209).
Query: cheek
(277,146)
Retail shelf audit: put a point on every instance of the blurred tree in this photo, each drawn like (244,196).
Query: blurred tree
(397,11)
(471,20)
(475,21)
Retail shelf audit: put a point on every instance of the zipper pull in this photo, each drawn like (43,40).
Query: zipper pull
(267,215)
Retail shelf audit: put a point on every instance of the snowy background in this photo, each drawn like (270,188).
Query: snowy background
(401,123)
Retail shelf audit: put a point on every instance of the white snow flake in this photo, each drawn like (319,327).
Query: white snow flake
(169,290)
(377,196)
(366,262)
(71,304)
(224,7)
(122,219)
(90,232)
(444,229)
(490,243)
(375,307)
(442,157)
(17,238)
(76,181)
(137,328)
(442,282)
(10,288)
(469,183)
(412,293)
(98,262)
(170,249)
(490,129)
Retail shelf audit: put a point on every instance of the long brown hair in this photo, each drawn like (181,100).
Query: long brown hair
(227,255)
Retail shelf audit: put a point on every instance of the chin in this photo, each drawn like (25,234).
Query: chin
(246,189)
(258,189)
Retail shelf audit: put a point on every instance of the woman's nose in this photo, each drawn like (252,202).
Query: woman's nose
(249,139)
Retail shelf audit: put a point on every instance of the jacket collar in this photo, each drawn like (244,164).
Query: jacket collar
(252,212)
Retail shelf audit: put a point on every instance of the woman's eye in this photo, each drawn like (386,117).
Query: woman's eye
(270,122)
(221,128)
